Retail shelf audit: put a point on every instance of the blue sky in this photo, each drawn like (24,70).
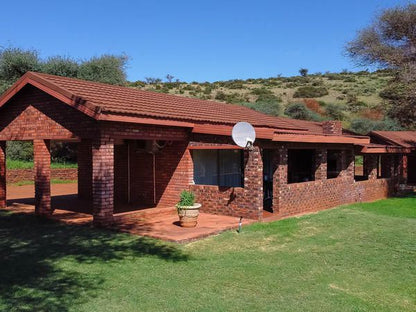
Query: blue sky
(194,40)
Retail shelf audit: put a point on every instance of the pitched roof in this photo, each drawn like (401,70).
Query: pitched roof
(105,99)
(115,103)
(401,138)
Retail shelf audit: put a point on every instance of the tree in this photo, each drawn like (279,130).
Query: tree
(169,78)
(61,66)
(14,62)
(303,72)
(390,42)
(106,68)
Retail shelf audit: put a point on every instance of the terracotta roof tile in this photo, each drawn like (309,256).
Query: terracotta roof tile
(402,138)
(119,100)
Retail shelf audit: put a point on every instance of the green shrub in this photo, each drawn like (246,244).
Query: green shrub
(310,92)
(365,125)
(272,108)
(19,150)
(187,198)
(300,111)
(335,111)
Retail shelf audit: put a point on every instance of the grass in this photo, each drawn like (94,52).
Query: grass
(21,164)
(353,258)
(53,181)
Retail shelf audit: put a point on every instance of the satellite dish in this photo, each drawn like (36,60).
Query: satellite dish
(243,134)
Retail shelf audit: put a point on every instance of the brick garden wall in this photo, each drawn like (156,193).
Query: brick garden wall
(294,198)
(18,175)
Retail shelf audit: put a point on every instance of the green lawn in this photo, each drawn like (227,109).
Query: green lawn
(21,164)
(353,258)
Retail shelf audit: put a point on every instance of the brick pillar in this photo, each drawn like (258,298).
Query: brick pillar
(3,174)
(84,158)
(42,162)
(348,164)
(320,164)
(103,181)
(253,180)
(370,166)
(280,176)
(403,169)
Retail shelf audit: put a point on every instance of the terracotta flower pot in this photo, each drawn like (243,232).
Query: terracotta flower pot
(188,215)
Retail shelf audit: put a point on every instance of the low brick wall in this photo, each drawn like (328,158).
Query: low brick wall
(17,175)
(319,195)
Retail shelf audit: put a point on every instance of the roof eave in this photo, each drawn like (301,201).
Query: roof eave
(57,92)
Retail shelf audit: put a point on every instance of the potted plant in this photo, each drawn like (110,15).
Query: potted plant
(188,210)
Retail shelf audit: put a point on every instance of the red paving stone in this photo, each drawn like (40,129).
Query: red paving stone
(161,223)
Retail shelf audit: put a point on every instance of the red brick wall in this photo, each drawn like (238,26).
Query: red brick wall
(17,175)
(244,201)
(173,174)
(103,180)
(2,174)
(84,171)
(42,165)
(33,114)
(325,193)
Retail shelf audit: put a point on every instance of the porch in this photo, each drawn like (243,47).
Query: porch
(160,223)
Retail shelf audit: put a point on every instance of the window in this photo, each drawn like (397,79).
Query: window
(334,163)
(301,165)
(384,166)
(218,167)
(359,174)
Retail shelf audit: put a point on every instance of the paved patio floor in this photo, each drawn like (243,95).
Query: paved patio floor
(161,223)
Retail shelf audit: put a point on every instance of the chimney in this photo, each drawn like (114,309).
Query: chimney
(332,127)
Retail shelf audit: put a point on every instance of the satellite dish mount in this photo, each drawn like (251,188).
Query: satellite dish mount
(243,134)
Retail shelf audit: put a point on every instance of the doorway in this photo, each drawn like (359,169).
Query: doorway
(411,169)
(268,171)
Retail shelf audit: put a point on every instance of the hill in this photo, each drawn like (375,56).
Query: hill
(355,98)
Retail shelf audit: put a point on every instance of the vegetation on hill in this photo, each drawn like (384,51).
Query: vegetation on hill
(359,99)
(390,43)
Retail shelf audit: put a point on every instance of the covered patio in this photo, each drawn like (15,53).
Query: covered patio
(160,223)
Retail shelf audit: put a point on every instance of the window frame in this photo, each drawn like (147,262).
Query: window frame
(218,152)
(312,165)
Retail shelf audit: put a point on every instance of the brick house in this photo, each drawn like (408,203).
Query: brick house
(142,148)
(407,141)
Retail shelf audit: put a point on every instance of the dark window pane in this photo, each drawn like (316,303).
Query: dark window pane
(205,167)
(301,165)
(218,167)
(230,168)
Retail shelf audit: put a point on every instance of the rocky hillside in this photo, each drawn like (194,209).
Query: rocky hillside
(354,98)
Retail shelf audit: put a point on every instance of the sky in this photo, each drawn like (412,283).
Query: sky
(195,40)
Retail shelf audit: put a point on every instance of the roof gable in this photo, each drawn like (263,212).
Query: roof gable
(103,101)
(400,138)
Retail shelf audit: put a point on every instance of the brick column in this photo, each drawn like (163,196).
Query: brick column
(348,164)
(103,181)
(3,174)
(403,169)
(84,158)
(320,164)
(280,176)
(370,166)
(253,180)
(42,162)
